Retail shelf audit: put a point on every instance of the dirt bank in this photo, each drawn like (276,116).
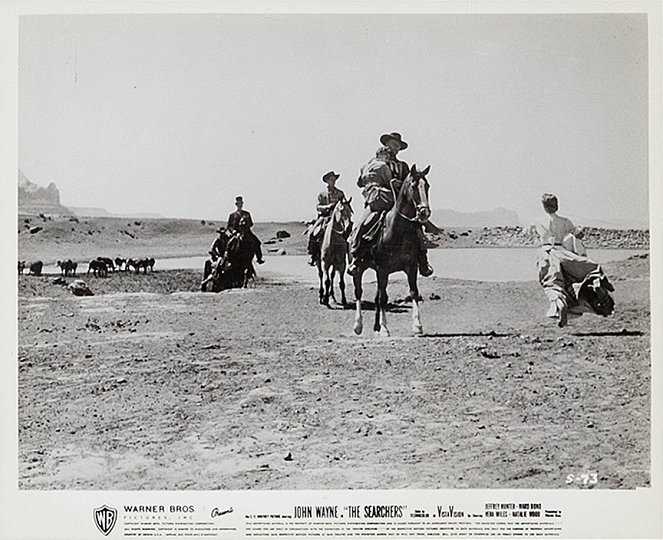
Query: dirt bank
(152,385)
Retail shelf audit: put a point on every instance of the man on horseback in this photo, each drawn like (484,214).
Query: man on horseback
(218,248)
(377,178)
(327,199)
(242,216)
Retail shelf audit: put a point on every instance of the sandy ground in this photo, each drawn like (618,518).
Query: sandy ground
(150,384)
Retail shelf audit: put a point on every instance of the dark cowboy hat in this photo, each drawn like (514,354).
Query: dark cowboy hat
(239,199)
(328,176)
(393,137)
(221,230)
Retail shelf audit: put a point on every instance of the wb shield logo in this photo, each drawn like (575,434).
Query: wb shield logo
(105,519)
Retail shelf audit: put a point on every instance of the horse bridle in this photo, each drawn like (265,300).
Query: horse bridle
(341,232)
(414,219)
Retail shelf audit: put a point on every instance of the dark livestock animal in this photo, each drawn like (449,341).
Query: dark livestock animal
(98,268)
(68,267)
(143,263)
(119,263)
(110,265)
(36,268)
(396,250)
(131,263)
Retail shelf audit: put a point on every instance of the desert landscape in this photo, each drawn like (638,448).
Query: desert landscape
(151,384)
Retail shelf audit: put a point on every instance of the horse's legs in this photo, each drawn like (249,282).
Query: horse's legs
(341,285)
(381,305)
(331,283)
(358,326)
(321,290)
(417,327)
(327,288)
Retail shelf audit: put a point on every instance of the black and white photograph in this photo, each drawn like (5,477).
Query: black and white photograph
(276,251)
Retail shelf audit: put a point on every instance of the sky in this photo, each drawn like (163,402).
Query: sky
(177,114)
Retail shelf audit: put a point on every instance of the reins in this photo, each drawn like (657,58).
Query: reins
(407,218)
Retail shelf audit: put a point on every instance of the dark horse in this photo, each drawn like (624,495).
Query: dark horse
(235,268)
(334,251)
(396,250)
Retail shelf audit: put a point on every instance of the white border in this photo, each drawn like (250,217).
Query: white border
(44,514)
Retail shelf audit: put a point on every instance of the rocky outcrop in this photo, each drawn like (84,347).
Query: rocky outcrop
(34,199)
(518,236)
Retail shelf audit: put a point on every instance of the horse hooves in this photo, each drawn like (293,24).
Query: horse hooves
(418,330)
(358,328)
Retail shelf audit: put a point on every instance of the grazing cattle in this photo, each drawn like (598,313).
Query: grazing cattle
(98,268)
(119,263)
(21,267)
(68,267)
(36,268)
(110,265)
(137,264)
(131,263)
(143,263)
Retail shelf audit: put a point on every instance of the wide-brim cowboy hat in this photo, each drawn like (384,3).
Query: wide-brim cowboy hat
(328,176)
(393,137)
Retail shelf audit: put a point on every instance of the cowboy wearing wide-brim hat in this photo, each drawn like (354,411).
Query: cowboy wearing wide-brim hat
(327,199)
(395,143)
(399,172)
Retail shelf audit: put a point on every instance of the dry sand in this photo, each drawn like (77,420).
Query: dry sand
(150,384)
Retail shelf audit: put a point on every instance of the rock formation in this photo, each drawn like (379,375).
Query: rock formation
(34,199)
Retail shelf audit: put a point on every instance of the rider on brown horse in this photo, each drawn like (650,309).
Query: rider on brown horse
(379,178)
(327,199)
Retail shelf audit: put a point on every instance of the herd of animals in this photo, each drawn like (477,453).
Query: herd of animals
(99,267)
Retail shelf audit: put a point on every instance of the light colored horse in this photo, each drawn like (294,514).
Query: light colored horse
(334,251)
(396,250)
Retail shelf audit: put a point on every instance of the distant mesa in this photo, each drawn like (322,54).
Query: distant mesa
(34,199)
(498,217)
(87,211)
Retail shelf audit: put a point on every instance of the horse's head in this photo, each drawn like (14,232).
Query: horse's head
(342,216)
(243,225)
(413,197)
